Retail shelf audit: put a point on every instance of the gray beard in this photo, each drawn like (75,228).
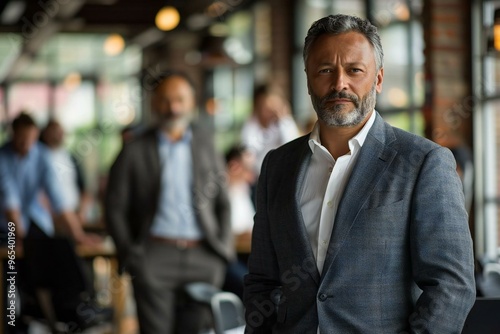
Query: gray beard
(334,115)
(172,124)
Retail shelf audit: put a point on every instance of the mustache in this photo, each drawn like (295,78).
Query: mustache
(340,95)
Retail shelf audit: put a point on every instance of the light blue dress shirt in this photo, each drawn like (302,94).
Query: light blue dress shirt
(22,179)
(175,217)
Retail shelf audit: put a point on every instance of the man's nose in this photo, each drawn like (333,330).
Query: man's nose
(339,81)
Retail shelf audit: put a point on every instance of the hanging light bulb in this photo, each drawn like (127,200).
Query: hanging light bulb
(496,38)
(167,18)
(114,45)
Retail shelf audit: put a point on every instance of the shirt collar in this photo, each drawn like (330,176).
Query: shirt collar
(355,142)
(186,138)
(32,151)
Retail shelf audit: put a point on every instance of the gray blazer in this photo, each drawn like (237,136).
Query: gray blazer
(134,187)
(400,258)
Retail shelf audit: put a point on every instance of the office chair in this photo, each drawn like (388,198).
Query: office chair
(228,311)
(488,282)
(227,308)
(61,289)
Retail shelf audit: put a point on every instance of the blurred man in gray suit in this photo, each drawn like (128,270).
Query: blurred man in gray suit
(360,227)
(168,212)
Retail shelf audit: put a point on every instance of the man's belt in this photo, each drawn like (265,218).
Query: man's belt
(179,243)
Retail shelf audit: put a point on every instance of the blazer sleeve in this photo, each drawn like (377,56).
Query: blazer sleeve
(441,248)
(223,212)
(116,203)
(262,281)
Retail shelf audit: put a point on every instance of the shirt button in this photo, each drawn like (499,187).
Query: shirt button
(322,297)
(324,242)
(330,204)
(330,169)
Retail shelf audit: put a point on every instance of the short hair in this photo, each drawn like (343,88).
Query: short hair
(162,76)
(235,152)
(340,23)
(266,90)
(51,123)
(23,120)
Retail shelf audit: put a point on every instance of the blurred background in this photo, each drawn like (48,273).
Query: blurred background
(89,64)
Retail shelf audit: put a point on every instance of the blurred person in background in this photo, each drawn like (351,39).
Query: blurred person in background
(26,169)
(130,132)
(240,164)
(241,175)
(270,125)
(168,212)
(68,172)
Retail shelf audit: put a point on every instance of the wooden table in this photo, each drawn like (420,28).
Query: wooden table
(117,286)
(243,243)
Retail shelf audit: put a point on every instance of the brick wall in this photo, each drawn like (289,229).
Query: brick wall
(282,48)
(448,111)
(448,106)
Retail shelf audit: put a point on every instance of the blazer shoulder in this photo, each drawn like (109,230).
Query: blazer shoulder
(291,152)
(202,134)
(408,141)
(293,145)
(138,146)
(145,138)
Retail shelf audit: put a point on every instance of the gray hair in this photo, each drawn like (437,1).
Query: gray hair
(338,24)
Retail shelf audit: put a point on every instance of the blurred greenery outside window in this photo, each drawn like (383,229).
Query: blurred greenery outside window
(230,85)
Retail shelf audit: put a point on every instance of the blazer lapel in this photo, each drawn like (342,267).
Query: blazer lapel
(374,158)
(297,231)
(152,158)
(152,155)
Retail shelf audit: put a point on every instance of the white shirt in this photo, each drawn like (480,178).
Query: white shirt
(261,140)
(242,208)
(67,177)
(323,188)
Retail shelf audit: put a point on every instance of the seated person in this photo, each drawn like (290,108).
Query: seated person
(241,175)
(26,170)
(270,125)
(68,171)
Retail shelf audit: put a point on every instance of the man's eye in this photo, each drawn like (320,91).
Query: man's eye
(325,70)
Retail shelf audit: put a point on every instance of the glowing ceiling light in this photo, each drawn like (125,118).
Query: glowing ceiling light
(167,18)
(114,45)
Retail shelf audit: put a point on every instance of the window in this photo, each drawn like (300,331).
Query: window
(486,84)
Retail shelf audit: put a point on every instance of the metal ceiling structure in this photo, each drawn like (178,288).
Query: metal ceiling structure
(34,22)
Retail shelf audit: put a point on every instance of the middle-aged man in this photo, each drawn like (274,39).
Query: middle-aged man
(168,212)
(360,227)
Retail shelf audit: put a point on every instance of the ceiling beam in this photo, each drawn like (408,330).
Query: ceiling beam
(37,30)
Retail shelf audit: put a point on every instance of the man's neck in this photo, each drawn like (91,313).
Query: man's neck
(336,138)
(174,134)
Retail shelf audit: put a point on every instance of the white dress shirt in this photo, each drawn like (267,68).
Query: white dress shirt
(323,188)
(67,178)
(261,140)
(242,208)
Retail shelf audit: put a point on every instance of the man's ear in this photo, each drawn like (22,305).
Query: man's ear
(380,80)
